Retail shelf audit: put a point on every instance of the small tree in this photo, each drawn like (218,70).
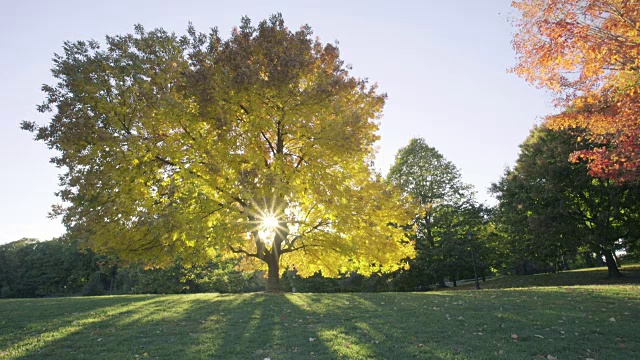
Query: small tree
(258,145)
(434,184)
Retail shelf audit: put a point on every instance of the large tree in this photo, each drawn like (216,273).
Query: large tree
(561,205)
(588,53)
(257,145)
(440,197)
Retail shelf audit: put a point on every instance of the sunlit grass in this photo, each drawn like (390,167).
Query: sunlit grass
(576,322)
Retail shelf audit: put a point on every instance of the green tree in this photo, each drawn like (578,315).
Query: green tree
(441,199)
(557,208)
(258,145)
(10,266)
(32,268)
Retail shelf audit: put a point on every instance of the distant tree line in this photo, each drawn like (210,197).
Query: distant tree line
(60,267)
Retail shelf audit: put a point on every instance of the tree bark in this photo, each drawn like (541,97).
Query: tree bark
(437,273)
(615,257)
(614,273)
(273,274)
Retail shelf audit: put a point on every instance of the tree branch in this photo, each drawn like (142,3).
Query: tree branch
(242,251)
(273,150)
(288,250)
(291,243)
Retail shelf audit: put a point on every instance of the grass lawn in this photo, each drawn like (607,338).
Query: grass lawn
(563,322)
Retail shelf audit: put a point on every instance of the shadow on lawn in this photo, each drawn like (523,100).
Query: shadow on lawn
(210,326)
(453,325)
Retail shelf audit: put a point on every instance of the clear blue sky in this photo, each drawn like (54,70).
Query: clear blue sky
(442,63)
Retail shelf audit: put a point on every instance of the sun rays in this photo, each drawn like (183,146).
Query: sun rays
(268,226)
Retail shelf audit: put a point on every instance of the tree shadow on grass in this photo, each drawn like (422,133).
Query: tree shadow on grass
(29,325)
(566,323)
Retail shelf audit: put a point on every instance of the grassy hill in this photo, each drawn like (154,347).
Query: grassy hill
(564,320)
(594,276)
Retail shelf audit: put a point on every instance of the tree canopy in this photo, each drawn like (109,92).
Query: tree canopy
(588,53)
(257,145)
(553,208)
(444,209)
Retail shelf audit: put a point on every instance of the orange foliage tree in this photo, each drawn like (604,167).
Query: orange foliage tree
(588,53)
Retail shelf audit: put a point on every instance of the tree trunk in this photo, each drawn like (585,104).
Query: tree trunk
(615,257)
(273,275)
(614,273)
(114,271)
(588,259)
(598,259)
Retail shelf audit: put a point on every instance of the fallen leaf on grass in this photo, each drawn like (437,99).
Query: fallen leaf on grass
(514,336)
(420,345)
(550,357)
(540,336)
(312,339)
(612,319)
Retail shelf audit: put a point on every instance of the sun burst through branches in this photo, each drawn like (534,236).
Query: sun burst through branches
(268,226)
